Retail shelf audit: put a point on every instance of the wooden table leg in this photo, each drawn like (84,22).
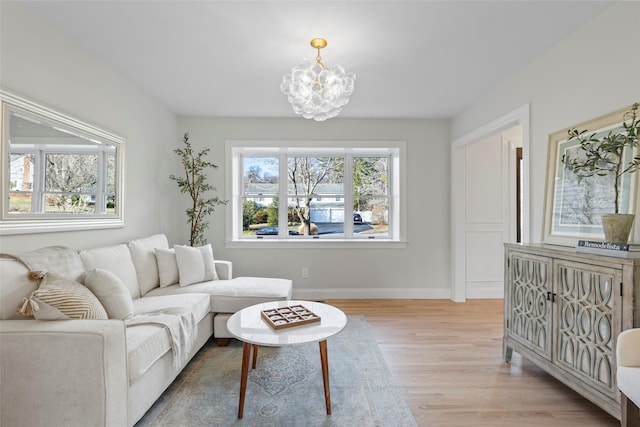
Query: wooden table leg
(325,374)
(246,354)
(255,356)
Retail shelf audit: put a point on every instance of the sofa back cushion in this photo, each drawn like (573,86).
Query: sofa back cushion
(117,260)
(144,259)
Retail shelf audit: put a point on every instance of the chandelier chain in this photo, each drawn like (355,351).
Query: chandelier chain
(319,59)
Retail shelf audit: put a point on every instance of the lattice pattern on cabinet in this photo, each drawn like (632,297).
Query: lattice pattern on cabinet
(585,329)
(529,305)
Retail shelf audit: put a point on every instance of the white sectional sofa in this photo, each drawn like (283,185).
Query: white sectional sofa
(110,372)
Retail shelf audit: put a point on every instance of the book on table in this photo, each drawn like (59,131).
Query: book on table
(615,249)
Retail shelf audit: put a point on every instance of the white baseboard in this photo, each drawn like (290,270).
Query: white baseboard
(475,291)
(371,293)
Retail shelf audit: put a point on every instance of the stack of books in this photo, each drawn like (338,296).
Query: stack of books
(620,250)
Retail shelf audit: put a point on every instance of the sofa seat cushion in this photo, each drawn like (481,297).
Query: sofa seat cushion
(628,381)
(229,296)
(149,342)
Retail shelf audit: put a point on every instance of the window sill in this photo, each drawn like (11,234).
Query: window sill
(48,226)
(315,244)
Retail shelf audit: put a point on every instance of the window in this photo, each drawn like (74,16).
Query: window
(61,174)
(316,191)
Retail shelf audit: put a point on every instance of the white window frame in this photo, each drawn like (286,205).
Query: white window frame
(235,150)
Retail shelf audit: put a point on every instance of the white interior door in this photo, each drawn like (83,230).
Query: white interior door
(484,204)
(486,217)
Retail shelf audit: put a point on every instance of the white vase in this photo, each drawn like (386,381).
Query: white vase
(617,227)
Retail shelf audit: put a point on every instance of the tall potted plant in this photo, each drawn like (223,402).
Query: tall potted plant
(194,182)
(603,156)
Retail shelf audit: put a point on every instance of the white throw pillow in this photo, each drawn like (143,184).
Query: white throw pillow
(116,259)
(167,267)
(144,260)
(195,265)
(111,292)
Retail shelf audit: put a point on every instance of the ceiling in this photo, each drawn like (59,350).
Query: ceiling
(412,59)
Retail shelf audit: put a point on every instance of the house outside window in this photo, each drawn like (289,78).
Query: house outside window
(316,191)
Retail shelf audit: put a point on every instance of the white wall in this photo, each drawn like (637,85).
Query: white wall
(40,63)
(422,269)
(592,72)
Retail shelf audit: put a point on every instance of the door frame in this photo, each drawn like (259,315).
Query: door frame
(519,116)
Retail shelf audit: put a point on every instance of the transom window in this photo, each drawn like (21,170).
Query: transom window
(315,191)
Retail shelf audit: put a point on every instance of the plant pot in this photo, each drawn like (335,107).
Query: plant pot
(617,227)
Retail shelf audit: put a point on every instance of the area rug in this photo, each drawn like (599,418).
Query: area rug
(286,387)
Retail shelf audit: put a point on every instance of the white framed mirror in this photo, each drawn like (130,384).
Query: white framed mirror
(58,172)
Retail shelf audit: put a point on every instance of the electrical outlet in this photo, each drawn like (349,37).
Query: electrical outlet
(305,273)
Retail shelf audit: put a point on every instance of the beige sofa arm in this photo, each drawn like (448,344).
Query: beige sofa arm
(224,269)
(63,373)
(628,348)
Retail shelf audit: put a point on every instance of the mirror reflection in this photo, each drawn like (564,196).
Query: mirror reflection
(57,168)
(52,170)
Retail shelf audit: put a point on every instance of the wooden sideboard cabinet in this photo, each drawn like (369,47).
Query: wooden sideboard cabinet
(563,310)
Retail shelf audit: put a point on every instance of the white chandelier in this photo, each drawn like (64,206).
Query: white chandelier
(316,91)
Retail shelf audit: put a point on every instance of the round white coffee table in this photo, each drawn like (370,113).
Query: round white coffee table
(248,326)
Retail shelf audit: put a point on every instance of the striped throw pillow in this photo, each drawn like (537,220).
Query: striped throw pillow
(59,298)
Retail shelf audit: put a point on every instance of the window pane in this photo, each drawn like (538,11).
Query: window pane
(260,175)
(258,212)
(317,187)
(111,174)
(111,204)
(315,175)
(21,174)
(375,217)
(370,176)
(20,203)
(71,173)
(326,215)
(69,203)
(20,183)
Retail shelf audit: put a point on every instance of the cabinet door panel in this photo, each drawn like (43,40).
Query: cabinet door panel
(587,298)
(530,311)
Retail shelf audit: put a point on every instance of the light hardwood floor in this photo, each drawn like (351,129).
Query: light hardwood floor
(447,358)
